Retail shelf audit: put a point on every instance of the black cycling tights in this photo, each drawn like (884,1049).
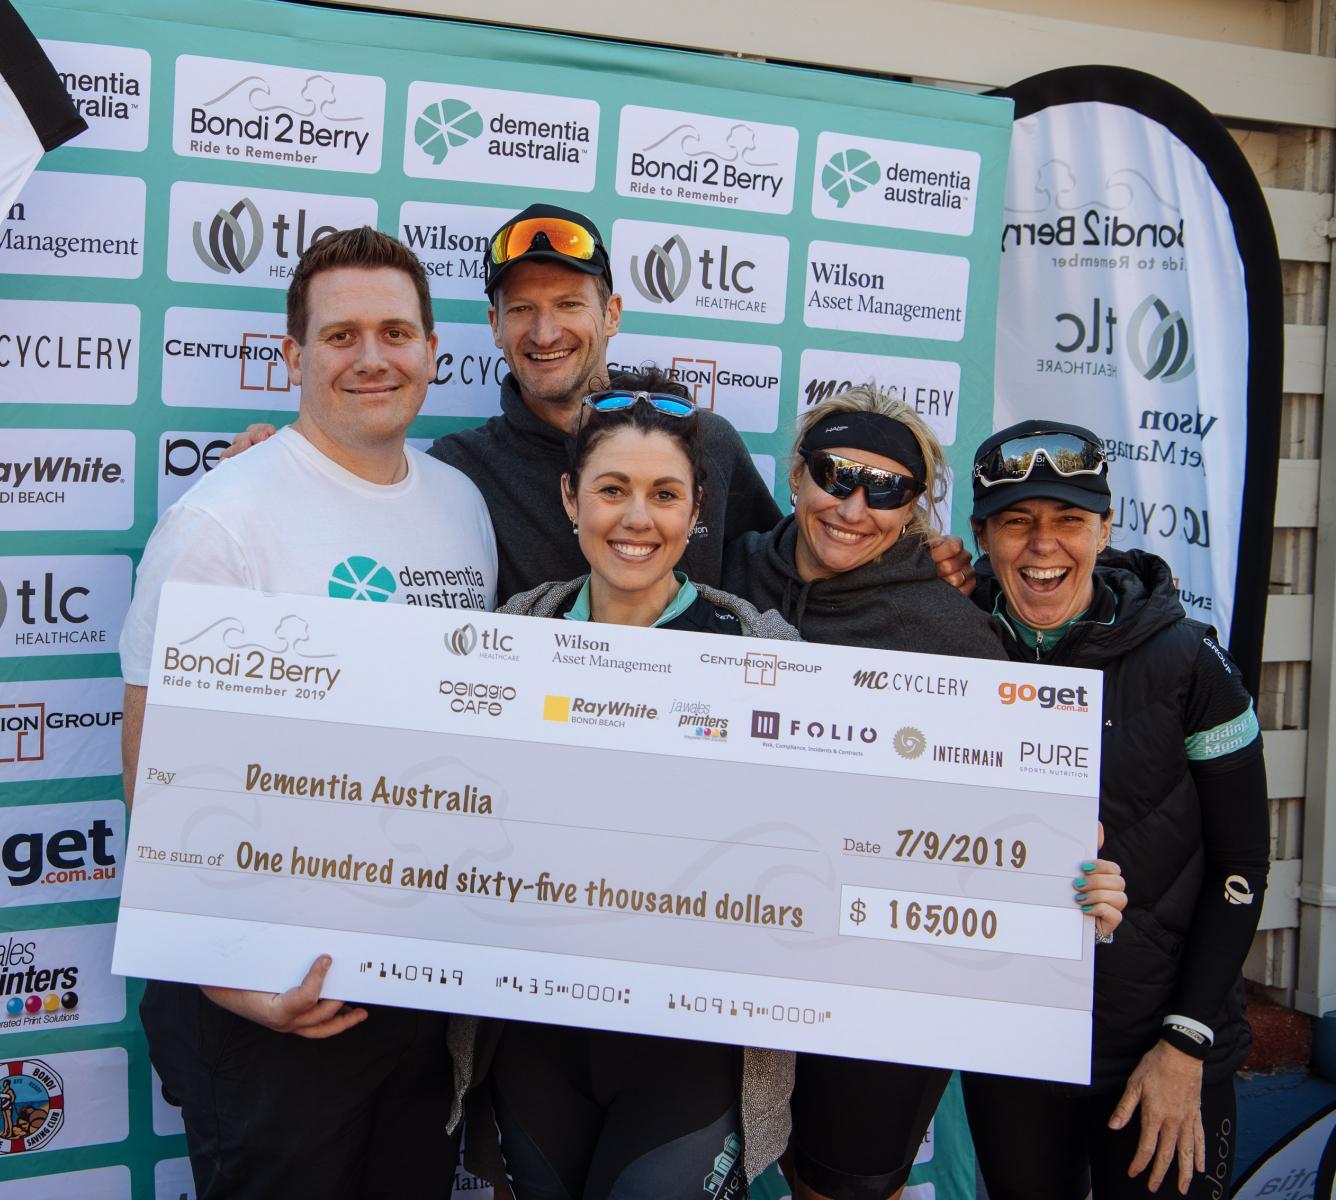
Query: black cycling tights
(586,1115)
(1048,1141)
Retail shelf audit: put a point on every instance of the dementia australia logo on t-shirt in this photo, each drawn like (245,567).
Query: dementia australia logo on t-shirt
(358,577)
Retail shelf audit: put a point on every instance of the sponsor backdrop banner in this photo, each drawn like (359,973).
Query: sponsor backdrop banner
(775,233)
(1140,297)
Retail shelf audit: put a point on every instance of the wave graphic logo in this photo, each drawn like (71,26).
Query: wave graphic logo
(1165,352)
(664,277)
(231,249)
(360,578)
(462,641)
(847,173)
(909,742)
(444,126)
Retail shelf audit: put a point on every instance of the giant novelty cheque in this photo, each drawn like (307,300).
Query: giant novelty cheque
(807,847)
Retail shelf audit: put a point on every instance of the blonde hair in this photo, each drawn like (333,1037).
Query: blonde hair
(925,524)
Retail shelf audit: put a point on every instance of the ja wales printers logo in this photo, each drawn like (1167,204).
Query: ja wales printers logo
(225,657)
(32,1106)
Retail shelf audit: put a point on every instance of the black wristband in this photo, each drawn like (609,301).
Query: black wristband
(1180,1037)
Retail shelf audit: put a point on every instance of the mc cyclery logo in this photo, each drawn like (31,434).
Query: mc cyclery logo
(1164,350)
(360,578)
(665,273)
(230,246)
(848,172)
(445,125)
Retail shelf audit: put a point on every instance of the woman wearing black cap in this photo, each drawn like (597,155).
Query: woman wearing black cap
(851,566)
(1183,805)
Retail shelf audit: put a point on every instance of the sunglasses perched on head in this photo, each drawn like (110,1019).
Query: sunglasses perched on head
(839,476)
(563,236)
(1067,454)
(662,402)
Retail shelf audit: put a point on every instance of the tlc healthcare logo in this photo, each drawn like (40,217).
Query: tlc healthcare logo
(897,185)
(287,116)
(110,87)
(68,352)
(63,605)
(720,162)
(687,270)
(1155,338)
(251,237)
(482,135)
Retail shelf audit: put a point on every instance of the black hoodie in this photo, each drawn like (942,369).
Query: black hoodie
(1165,678)
(517,461)
(895,602)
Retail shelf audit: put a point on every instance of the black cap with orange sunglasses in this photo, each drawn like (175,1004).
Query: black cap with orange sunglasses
(544,232)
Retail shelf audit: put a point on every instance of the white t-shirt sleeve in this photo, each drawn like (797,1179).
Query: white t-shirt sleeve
(188,546)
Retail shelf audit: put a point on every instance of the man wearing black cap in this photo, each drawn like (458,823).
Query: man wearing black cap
(552,312)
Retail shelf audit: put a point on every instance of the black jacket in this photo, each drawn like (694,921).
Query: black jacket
(517,461)
(895,602)
(1138,635)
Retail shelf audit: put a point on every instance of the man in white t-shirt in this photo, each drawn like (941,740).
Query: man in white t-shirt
(292,1095)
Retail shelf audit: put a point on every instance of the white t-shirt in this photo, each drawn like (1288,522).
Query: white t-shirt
(283,517)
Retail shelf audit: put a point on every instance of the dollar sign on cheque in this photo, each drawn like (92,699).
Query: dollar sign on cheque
(858,912)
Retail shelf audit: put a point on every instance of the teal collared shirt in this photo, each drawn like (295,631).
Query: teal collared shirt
(685,598)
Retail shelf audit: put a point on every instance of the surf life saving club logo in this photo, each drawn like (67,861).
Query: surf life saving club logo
(32,1105)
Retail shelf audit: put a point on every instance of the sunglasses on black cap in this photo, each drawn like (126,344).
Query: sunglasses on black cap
(561,235)
(841,477)
(1066,454)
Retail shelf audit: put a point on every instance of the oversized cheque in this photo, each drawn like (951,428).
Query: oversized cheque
(780,844)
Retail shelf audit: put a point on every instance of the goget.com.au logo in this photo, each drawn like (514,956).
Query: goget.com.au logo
(1063,699)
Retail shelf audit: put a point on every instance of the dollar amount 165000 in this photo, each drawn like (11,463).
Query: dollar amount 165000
(1000,926)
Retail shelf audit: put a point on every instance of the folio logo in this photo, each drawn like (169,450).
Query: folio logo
(230,247)
(765,725)
(666,272)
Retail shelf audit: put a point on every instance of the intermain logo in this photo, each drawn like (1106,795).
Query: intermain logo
(360,578)
(231,248)
(848,172)
(446,125)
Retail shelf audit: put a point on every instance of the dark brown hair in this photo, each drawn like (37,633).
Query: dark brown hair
(644,418)
(366,248)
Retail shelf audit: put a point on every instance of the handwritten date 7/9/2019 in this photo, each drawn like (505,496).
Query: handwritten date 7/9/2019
(963,848)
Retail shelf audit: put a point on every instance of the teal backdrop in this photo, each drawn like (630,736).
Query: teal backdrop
(775,231)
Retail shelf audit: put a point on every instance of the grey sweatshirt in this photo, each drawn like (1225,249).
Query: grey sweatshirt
(895,602)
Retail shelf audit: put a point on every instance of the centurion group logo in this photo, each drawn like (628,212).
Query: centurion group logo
(221,358)
(252,237)
(484,135)
(720,162)
(693,271)
(287,116)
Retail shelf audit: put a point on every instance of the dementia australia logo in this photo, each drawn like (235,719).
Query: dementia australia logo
(445,125)
(231,248)
(360,578)
(848,172)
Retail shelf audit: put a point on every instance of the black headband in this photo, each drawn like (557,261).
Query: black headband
(869,431)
